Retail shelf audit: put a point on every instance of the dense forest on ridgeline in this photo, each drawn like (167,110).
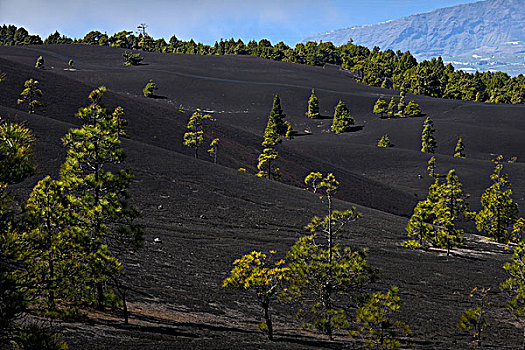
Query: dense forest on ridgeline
(387,69)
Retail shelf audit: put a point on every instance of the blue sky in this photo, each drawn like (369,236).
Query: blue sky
(209,20)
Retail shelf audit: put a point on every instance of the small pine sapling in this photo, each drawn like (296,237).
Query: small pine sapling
(392,107)
(431,167)
(30,94)
(132,59)
(381,108)
(149,89)
(214,147)
(313,106)
(401,106)
(194,137)
(381,331)
(428,142)
(342,118)
(384,141)
(459,152)
(39,63)
(70,64)
(412,110)
(255,272)
(265,165)
(474,319)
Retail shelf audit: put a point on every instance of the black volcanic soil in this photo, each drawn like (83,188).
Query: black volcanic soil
(207,215)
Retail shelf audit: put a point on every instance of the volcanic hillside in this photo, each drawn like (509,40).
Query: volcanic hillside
(207,215)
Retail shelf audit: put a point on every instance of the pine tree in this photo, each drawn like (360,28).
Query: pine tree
(254,272)
(428,143)
(214,148)
(431,168)
(149,89)
(16,152)
(401,106)
(132,59)
(313,106)
(276,122)
(320,269)
(412,110)
(459,152)
(515,285)
(450,205)
(54,241)
(380,107)
(194,137)
(392,107)
(39,63)
(384,141)
(433,220)
(374,315)
(108,227)
(342,118)
(265,165)
(420,231)
(474,319)
(499,216)
(30,94)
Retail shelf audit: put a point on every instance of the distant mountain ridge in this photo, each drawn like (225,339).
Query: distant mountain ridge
(492,30)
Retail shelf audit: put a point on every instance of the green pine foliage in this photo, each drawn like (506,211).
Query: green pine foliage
(39,63)
(55,245)
(214,148)
(102,201)
(392,107)
(428,142)
(381,108)
(378,329)
(313,106)
(499,216)
(412,110)
(16,152)
(514,285)
(29,96)
(149,89)
(255,272)
(401,106)
(276,124)
(265,164)
(459,152)
(342,120)
(384,141)
(132,59)
(70,64)
(433,220)
(474,319)
(321,271)
(194,136)
(431,167)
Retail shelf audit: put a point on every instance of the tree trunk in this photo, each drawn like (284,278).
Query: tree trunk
(268,319)
(125,305)
(100,296)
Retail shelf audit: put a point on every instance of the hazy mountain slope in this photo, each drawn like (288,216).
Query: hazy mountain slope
(488,29)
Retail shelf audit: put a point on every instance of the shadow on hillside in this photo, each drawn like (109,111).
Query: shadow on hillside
(158,97)
(355,128)
(296,133)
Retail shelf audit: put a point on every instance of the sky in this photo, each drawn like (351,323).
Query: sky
(209,20)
